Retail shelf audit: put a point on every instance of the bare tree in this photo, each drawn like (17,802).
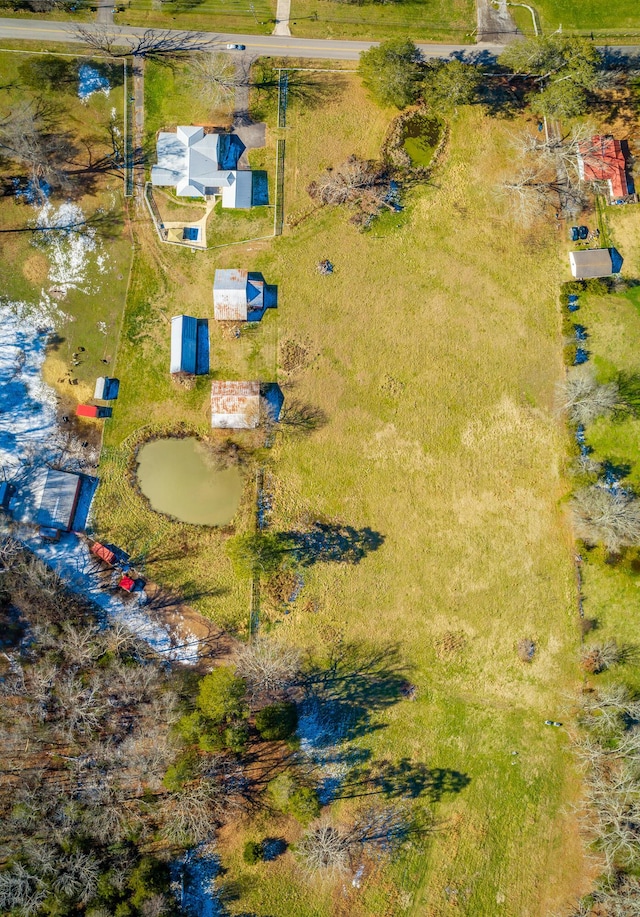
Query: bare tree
(154,43)
(268,666)
(332,849)
(605,516)
(214,77)
(584,399)
(597,657)
(535,190)
(29,137)
(355,181)
(326,848)
(21,890)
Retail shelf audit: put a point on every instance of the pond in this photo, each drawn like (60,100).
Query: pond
(422,134)
(181,478)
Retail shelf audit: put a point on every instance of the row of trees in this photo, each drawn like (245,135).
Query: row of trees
(558,74)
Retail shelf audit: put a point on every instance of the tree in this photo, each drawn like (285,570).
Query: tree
(269,666)
(609,517)
(560,99)
(221,696)
(30,138)
(391,72)
(597,657)
(355,181)
(213,77)
(448,84)
(584,399)
(564,69)
(153,43)
(277,721)
(263,553)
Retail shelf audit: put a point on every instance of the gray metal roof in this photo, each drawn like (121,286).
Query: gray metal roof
(592,262)
(58,499)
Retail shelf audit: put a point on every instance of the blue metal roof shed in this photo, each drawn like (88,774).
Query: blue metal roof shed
(189,345)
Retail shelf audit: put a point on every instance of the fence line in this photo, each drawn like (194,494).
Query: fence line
(283,95)
(278,220)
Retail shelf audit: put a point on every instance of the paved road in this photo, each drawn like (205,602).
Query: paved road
(275,45)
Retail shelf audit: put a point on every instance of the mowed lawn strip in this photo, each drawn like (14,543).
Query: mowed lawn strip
(420,20)
(620,17)
(211,15)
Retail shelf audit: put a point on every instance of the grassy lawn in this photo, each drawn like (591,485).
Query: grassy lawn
(613,324)
(211,15)
(421,20)
(433,352)
(617,19)
(27,263)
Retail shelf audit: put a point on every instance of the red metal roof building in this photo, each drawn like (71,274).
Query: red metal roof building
(103,553)
(87,410)
(603,159)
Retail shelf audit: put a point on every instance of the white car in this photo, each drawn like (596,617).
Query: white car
(232,47)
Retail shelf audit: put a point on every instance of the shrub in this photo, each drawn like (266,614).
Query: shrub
(304,804)
(252,852)
(221,696)
(278,721)
(180,772)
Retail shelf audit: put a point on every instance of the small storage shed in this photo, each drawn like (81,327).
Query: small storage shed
(103,553)
(592,262)
(235,294)
(189,345)
(102,386)
(87,410)
(235,405)
(58,499)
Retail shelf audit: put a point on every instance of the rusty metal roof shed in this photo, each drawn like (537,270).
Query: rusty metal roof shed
(235,405)
(235,294)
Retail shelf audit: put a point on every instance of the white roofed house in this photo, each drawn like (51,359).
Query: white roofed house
(237,295)
(203,165)
(235,405)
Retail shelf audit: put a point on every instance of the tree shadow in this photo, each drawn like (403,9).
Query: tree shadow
(405,779)
(333,543)
(629,389)
(301,418)
(302,88)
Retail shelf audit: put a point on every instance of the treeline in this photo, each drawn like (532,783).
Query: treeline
(114,764)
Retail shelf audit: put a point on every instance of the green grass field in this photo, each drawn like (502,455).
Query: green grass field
(256,17)
(433,352)
(613,323)
(421,20)
(615,20)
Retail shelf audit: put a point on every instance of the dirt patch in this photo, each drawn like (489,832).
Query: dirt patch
(450,644)
(293,356)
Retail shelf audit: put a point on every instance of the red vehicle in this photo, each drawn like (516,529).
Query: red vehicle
(127,583)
